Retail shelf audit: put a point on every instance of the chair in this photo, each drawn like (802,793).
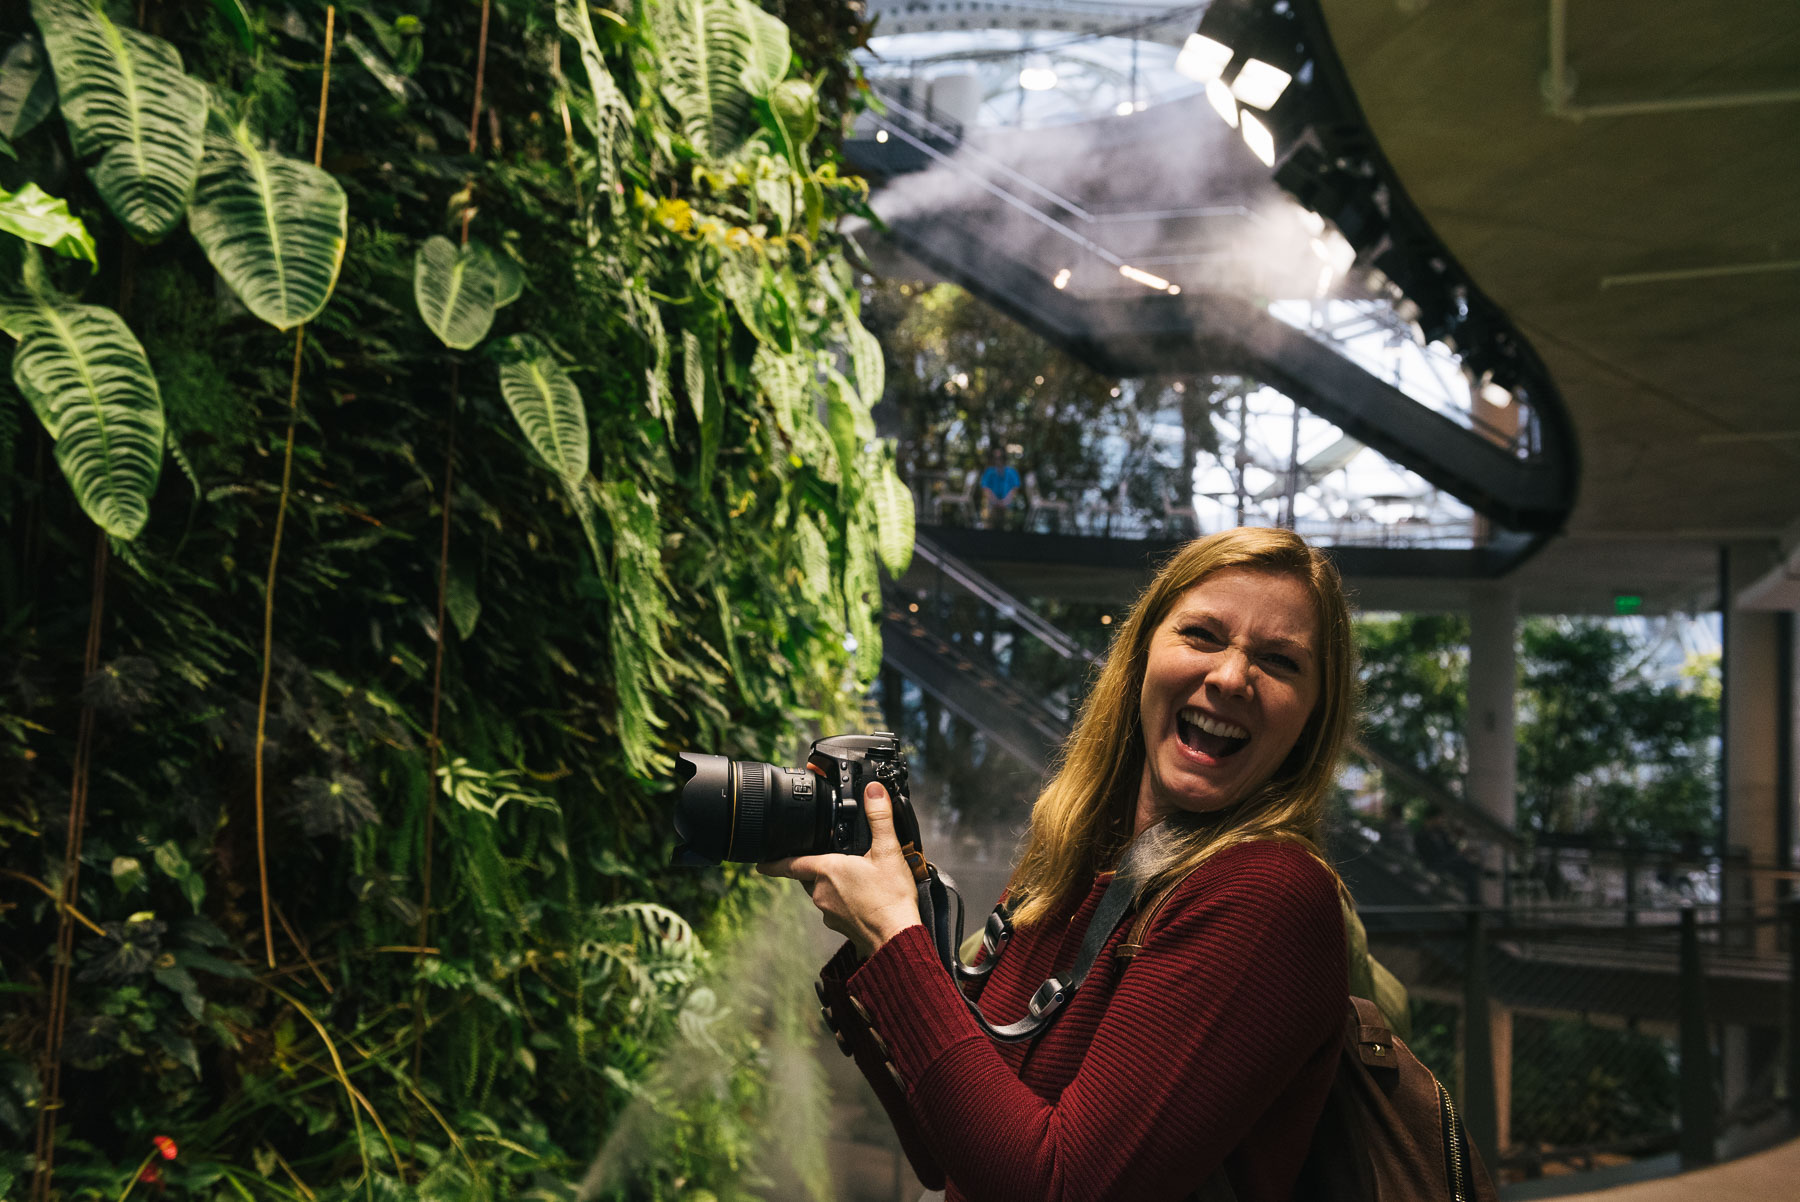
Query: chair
(1036,502)
(1108,504)
(963,501)
(1173,513)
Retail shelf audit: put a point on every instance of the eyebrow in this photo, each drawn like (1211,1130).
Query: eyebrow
(1275,641)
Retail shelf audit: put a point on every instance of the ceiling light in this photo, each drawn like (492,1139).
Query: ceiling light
(1219,96)
(1062,280)
(1260,85)
(1202,59)
(1258,138)
(1495,395)
(881,135)
(1144,277)
(1174,289)
(1140,106)
(1038,75)
(1125,108)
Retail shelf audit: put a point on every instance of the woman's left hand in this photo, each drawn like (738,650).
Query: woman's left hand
(868,898)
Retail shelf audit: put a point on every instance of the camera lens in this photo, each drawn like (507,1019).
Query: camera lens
(746,811)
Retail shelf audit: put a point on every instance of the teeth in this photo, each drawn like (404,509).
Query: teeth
(1213,726)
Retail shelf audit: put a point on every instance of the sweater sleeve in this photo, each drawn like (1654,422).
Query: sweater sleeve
(1240,983)
(855,1036)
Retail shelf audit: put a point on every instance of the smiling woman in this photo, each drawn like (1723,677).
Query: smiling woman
(1200,1048)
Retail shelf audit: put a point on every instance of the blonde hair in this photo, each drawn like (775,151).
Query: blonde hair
(1083,819)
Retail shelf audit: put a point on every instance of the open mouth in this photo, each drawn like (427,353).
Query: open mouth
(1209,735)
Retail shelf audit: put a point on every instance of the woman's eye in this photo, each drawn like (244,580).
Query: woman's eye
(1202,633)
(1283,662)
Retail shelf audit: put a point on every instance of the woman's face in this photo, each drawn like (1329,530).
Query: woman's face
(1231,679)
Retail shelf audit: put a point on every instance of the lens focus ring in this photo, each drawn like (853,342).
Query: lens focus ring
(752,832)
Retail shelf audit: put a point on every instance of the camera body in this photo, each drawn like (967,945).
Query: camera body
(746,811)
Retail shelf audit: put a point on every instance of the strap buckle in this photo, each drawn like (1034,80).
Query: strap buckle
(997,933)
(1049,997)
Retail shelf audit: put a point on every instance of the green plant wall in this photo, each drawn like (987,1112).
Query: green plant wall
(557,402)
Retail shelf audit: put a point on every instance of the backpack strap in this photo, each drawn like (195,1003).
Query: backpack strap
(1133,943)
(1367,1030)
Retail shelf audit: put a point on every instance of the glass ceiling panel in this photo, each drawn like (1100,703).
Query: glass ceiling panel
(1281,465)
(1026,79)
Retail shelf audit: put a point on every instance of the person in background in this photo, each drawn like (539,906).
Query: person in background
(998,485)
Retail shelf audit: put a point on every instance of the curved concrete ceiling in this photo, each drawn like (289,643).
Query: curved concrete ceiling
(1652,257)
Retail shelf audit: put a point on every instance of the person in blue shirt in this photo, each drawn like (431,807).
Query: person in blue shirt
(998,484)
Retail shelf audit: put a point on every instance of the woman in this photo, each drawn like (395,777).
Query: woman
(1214,732)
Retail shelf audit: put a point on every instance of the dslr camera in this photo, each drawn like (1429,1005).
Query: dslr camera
(749,812)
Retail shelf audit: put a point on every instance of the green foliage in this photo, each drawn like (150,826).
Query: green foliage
(457,290)
(1604,749)
(963,381)
(127,101)
(547,406)
(273,227)
(1607,746)
(89,382)
(693,571)
(27,89)
(42,219)
(717,57)
(1415,681)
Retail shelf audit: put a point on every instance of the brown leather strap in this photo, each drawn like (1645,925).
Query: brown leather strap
(1133,943)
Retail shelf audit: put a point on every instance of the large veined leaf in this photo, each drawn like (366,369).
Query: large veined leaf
(862,593)
(274,228)
(89,382)
(770,52)
(611,112)
(36,216)
(27,89)
(815,559)
(782,379)
(700,376)
(547,406)
(893,504)
(711,61)
(126,100)
(457,290)
(509,280)
(849,423)
(638,588)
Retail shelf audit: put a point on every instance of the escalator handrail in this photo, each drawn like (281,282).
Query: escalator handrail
(1008,606)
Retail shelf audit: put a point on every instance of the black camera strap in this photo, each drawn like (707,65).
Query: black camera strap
(1054,994)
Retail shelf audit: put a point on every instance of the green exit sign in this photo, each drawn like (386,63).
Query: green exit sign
(1627,603)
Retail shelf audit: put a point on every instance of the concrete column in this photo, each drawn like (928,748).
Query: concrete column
(1501,1018)
(1493,784)
(1493,747)
(1754,712)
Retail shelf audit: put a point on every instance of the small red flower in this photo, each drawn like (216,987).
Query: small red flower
(150,1175)
(166,1146)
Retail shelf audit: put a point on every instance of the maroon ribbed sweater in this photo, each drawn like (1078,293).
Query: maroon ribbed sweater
(1216,1045)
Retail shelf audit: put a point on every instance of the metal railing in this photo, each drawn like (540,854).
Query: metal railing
(1575,1046)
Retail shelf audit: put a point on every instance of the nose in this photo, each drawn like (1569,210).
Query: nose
(1230,672)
